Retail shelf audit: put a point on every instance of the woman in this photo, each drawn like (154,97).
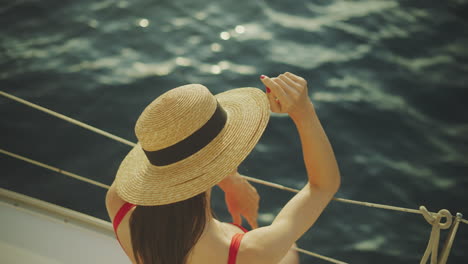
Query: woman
(189,141)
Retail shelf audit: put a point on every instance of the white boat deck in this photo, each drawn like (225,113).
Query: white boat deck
(34,231)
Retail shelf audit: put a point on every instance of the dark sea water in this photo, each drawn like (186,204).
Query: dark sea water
(388,78)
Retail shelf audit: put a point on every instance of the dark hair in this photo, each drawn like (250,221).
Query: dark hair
(165,234)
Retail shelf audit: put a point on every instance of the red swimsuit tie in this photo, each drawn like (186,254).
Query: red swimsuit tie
(120,215)
(235,244)
(234,248)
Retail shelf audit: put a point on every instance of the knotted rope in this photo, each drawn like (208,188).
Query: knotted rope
(449,241)
(435,220)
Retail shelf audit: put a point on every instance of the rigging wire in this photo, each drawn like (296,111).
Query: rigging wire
(52,168)
(68,119)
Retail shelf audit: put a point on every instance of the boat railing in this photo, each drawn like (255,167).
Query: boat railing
(435,219)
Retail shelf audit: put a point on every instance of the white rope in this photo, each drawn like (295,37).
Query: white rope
(465,221)
(449,241)
(435,220)
(271,184)
(81,178)
(375,205)
(319,256)
(40,164)
(68,119)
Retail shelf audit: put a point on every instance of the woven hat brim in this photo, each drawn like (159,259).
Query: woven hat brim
(139,182)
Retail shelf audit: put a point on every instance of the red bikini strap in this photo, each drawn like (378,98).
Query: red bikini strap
(234,248)
(241,227)
(120,215)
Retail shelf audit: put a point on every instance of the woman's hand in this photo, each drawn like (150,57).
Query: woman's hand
(287,93)
(241,198)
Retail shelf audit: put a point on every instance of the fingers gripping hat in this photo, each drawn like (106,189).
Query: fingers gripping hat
(188,141)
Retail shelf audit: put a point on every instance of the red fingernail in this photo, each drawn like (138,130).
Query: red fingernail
(268,90)
(262,76)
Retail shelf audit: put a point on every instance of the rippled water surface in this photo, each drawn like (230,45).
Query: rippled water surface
(388,79)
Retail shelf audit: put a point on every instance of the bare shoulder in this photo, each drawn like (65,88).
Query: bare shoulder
(113,202)
(251,249)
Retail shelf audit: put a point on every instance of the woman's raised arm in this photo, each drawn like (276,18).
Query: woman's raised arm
(288,94)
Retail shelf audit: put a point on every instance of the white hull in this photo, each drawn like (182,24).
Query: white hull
(34,231)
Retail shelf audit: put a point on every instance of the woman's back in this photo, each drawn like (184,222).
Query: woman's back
(218,243)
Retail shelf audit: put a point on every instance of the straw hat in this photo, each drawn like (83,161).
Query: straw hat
(189,140)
